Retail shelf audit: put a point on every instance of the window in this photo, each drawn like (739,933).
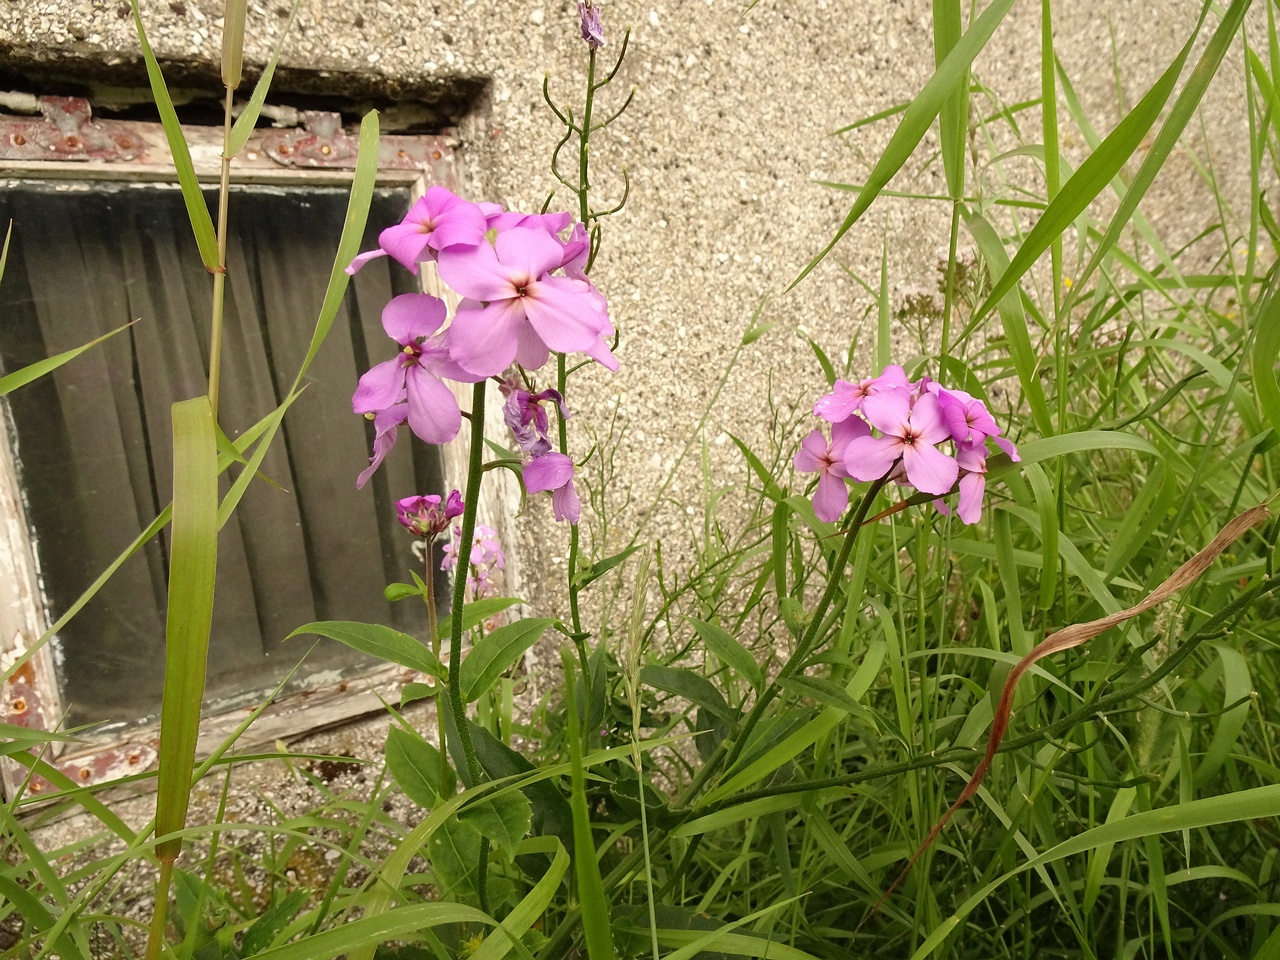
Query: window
(101,238)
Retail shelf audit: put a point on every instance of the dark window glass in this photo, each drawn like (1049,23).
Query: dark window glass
(93,440)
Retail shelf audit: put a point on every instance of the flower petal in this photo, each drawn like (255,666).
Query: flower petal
(888,411)
(412,317)
(831,498)
(354,266)
(547,472)
(530,249)
(380,387)
(972,487)
(870,458)
(811,457)
(476,272)
(566,315)
(565,503)
(484,340)
(433,411)
(928,468)
(406,242)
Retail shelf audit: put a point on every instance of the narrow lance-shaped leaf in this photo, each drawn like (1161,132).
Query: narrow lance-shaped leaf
(1091,178)
(197,209)
(918,118)
(192,566)
(20,378)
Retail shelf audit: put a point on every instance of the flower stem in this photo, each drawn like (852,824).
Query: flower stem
(433,633)
(475,470)
(813,632)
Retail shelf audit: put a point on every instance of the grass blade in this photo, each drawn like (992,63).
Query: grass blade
(1091,178)
(595,905)
(20,378)
(197,209)
(191,578)
(917,119)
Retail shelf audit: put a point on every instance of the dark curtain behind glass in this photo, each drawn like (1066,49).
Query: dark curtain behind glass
(94,441)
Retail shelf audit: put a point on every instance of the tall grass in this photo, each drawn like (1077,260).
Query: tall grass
(753,784)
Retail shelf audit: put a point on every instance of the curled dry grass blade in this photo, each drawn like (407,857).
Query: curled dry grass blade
(1073,636)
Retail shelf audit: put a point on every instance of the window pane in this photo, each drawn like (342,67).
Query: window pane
(93,440)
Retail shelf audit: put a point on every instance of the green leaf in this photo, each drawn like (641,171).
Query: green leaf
(37,915)
(401,591)
(591,895)
(19,378)
(248,118)
(11,731)
(551,813)
(400,923)
(192,568)
(1236,689)
(415,766)
(1258,803)
(918,118)
(504,819)
(770,486)
(693,687)
(1184,108)
(197,209)
(729,650)
(1050,448)
(601,567)
(454,852)
(378,641)
(477,612)
(267,927)
(495,654)
(1014,323)
(362,186)
(1266,351)
(527,912)
(1090,179)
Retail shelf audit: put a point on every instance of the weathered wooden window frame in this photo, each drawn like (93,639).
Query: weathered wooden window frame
(66,143)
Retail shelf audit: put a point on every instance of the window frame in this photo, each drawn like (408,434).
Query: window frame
(67,144)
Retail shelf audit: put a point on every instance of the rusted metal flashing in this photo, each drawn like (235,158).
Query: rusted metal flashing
(66,132)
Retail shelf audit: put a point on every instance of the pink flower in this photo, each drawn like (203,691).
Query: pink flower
(818,456)
(515,310)
(554,471)
(414,374)
(485,560)
(847,398)
(427,516)
(439,219)
(524,414)
(911,432)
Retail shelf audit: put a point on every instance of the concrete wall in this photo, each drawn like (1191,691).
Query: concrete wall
(730,128)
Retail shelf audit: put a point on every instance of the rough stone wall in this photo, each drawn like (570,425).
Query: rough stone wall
(732,124)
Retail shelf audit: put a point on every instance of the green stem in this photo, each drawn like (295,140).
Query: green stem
(433,633)
(155,936)
(811,635)
(220,274)
(475,471)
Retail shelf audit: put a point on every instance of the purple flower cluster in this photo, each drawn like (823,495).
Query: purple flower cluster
(427,517)
(524,295)
(545,469)
(890,426)
(484,562)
